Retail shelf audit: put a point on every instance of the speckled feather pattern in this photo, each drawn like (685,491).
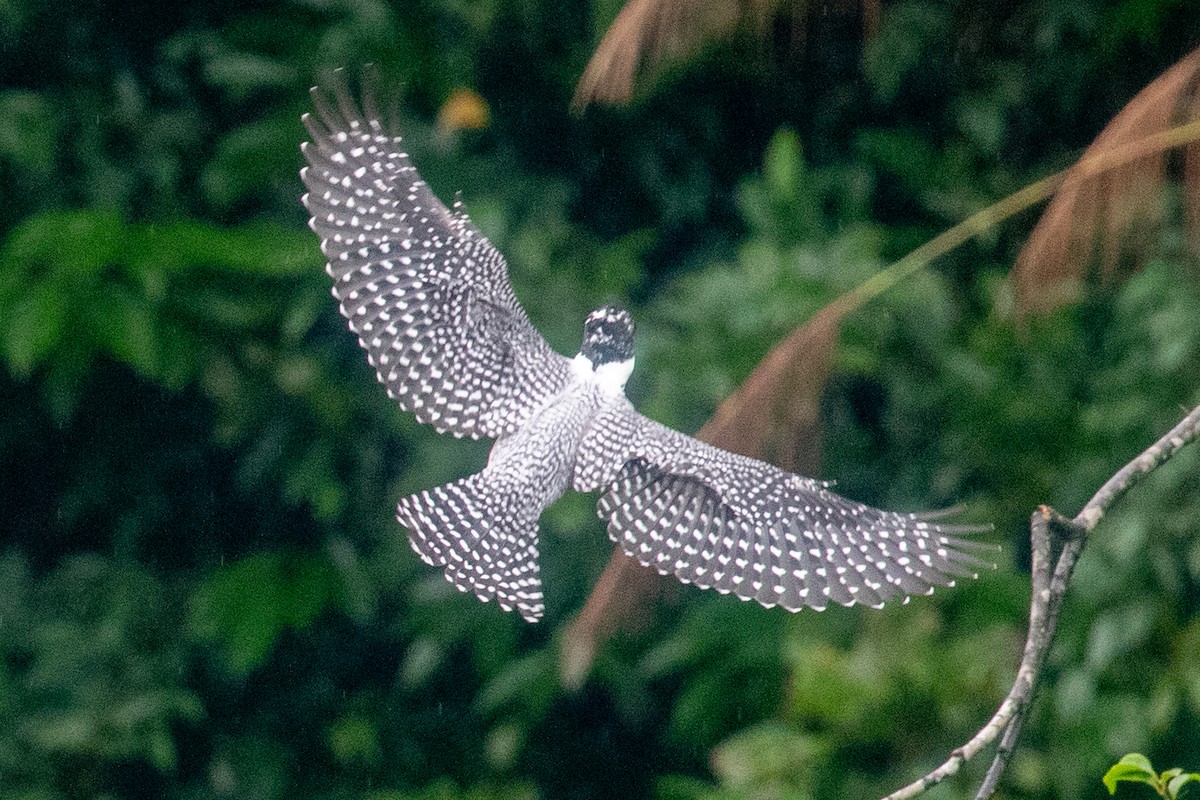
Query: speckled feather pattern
(426,293)
(484,529)
(430,300)
(742,526)
(487,544)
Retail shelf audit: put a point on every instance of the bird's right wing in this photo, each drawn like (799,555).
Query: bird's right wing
(740,525)
(427,294)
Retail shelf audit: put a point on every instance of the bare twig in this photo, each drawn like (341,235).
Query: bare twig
(1137,469)
(1030,669)
(1026,673)
(1047,592)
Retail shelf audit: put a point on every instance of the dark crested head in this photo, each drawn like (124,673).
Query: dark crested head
(607,336)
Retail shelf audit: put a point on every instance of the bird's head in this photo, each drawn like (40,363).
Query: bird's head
(607,336)
(606,355)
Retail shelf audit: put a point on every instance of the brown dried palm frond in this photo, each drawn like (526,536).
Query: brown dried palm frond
(1097,226)
(648,34)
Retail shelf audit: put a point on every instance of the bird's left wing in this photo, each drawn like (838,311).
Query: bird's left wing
(739,525)
(426,292)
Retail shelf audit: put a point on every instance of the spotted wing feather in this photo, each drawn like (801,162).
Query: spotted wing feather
(742,526)
(427,294)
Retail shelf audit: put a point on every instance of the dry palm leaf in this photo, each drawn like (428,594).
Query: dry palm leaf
(1097,225)
(774,414)
(651,33)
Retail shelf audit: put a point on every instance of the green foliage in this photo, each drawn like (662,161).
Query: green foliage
(203,591)
(29,126)
(727,315)
(247,605)
(84,285)
(89,677)
(1136,768)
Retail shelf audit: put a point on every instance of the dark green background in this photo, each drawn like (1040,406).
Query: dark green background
(203,592)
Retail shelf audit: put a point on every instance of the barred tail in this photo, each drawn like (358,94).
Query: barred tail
(478,532)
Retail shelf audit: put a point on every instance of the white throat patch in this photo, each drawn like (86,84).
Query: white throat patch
(609,377)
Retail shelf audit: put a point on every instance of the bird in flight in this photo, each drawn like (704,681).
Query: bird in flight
(430,300)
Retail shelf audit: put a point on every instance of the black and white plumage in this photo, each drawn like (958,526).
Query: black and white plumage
(430,300)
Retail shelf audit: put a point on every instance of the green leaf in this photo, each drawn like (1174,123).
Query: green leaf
(246,606)
(248,159)
(259,249)
(1133,768)
(528,682)
(769,755)
(33,325)
(74,244)
(783,164)
(1177,782)
(354,738)
(28,131)
(240,73)
(124,323)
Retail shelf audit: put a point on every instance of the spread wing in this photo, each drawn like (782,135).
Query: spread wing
(425,291)
(739,525)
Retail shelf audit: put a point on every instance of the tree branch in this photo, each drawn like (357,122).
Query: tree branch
(1047,591)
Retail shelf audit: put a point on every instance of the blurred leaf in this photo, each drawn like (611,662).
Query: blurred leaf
(28,131)
(1116,632)
(125,326)
(769,759)
(92,673)
(253,249)
(249,766)
(240,73)
(72,244)
(900,49)
(354,739)
(249,159)
(527,682)
(783,165)
(34,324)
(248,605)
(423,656)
